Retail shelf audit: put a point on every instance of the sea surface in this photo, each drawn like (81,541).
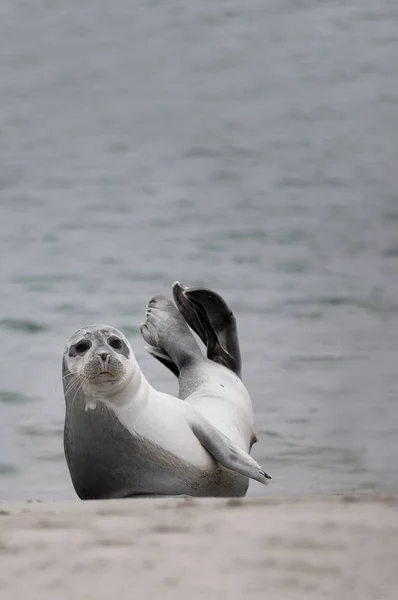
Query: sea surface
(248,146)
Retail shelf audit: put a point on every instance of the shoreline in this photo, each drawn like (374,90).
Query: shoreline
(281,548)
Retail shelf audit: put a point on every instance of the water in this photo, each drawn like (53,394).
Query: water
(250,147)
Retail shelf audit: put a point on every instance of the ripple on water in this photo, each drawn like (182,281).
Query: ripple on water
(291,237)
(8,469)
(40,430)
(9,397)
(315,314)
(317,358)
(254,234)
(53,278)
(129,330)
(270,433)
(52,457)
(45,283)
(323,457)
(294,265)
(391,252)
(23,325)
(391,215)
(246,259)
(157,276)
(72,309)
(370,304)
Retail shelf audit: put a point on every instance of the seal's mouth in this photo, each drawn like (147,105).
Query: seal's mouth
(107,375)
(104,375)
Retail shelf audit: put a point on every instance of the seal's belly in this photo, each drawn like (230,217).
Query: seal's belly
(164,424)
(106,460)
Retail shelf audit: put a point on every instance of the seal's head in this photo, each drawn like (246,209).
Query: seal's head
(98,359)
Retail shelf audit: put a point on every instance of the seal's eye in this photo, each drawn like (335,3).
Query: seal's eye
(82,347)
(115,343)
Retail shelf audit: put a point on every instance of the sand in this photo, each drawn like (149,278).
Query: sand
(342,547)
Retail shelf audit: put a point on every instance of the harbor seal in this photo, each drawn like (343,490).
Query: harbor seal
(123,438)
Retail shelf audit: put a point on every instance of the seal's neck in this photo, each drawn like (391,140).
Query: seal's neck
(132,394)
(135,392)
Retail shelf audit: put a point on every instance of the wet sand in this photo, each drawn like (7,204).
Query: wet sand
(292,548)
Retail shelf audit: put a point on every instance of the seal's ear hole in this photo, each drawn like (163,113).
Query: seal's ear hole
(115,343)
(82,347)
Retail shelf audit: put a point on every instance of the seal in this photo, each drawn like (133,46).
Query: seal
(123,438)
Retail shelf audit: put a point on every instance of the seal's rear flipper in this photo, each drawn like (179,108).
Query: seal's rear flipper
(207,313)
(166,330)
(222,320)
(197,318)
(224,450)
(189,312)
(164,358)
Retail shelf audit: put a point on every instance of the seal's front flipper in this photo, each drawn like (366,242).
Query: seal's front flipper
(224,450)
(164,358)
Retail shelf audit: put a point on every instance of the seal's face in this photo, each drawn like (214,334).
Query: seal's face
(100,358)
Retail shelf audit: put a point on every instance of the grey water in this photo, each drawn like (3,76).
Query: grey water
(251,147)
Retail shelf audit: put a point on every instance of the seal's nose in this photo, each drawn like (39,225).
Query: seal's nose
(103,356)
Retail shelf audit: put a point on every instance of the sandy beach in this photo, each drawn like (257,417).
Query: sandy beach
(293,548)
